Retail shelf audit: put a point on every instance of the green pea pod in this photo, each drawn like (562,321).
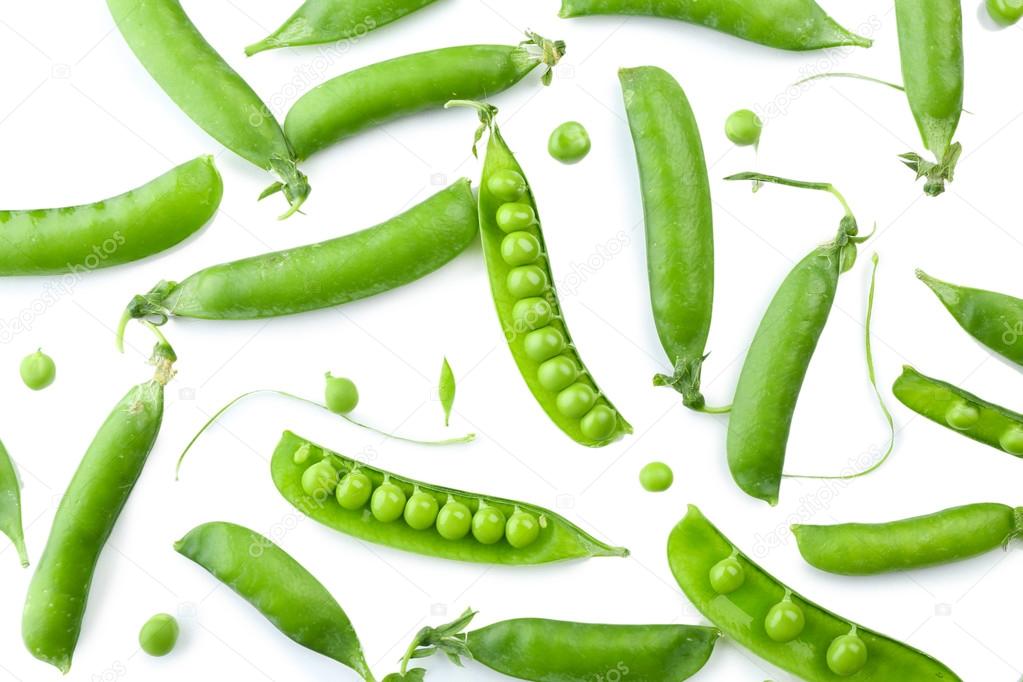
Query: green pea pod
(332,21)
(870,548)
(279,587)
(379,93)
(820,647)
(963,412)
(783,24)
(994,319)
(10,505)
(678,215)
(554,538)
(931,46)
(208,90)
(122,229)
(59,591)
(322,275)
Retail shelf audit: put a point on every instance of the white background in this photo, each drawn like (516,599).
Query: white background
(80,120)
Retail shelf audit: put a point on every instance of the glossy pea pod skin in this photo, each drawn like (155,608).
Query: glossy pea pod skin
(695,546)
(10,505)
(993,319)
(279,587)
(557,540)
(139,223)
(331,21)
(961,411)
(939,538)
(678,216)
(783,24)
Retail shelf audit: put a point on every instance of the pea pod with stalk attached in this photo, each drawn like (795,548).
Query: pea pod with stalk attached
(526,300)
(383,92)
(10,505)
(208,90)
(774,622)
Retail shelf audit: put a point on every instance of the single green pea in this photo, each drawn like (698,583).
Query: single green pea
(488,524)
(576,400)
(543,344)
(513,216)
(341,394)
(1012,441)
(557,373)
(1005,12)
(599,423)
(569,143)
(507,185)
(159,635)
(847,654)
(962,416)
(526,281)
(319,480)
(388,502)
(727,575)
(454,520)
(656,477)
(522,529)
(785,621)
(743,128)
(520,248)
(532,313)
(421,510)
(354,490)
(302,455)
(38,370)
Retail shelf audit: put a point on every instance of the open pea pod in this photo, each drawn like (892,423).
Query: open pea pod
(380,507)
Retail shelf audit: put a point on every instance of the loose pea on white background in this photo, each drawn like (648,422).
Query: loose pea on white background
(80,120)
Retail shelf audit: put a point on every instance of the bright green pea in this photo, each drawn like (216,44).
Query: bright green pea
(656,477)
(319,480)
(159,635)
(38,370)
(526,281)
(599,423)
(354,490)
(962,416)
(576,400)
(421,510)
(847,655)
(727,575)
(569,143)
(1005,12)
(522,529)
(1012,441)
(531,313)
(520,248)
(302,455)
(454,520)
(543,344)
(513,216)
(557,373)
(341,394)
(488,524)
(507,185)
(387,502)
(743,128)
(785,621)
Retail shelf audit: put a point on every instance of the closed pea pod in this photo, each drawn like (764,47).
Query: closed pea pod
(818,645)
(949,535)
(10,505)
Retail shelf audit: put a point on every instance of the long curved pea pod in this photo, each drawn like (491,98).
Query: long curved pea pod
(326,274)
(783,24)
(122,229)
(57,595)
(678,215)
(548,537)
(208,90)
(961,411)
(331,21)
(522,286)
(279,587)
(994,319)
(931,46)
(812,643)
(379,93)
(10,505)
(939,538)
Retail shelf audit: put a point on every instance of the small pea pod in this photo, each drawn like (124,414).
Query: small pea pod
(279,587)
(10,505)
(784,628)
(446,390)
(949,535)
